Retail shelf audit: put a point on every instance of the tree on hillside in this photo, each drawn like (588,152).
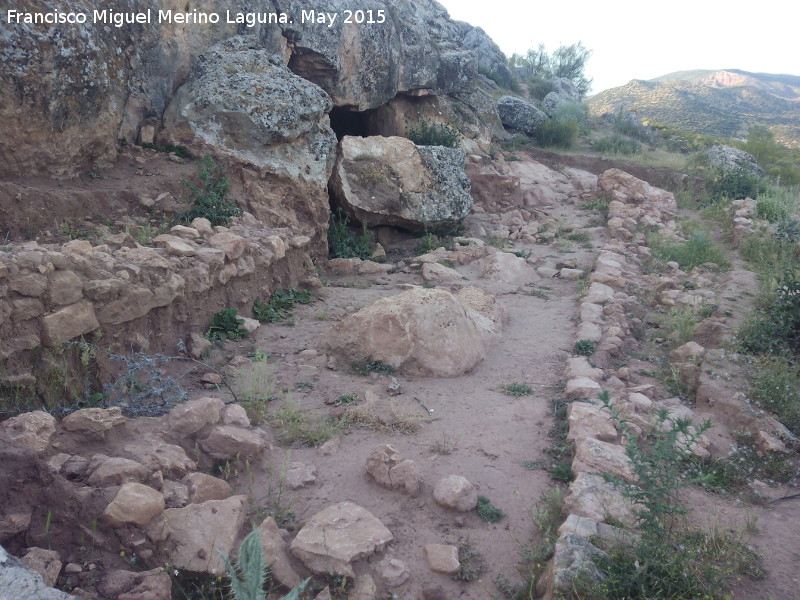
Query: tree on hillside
(566,61)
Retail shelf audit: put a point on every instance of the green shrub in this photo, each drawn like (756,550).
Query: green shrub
(736,184)
(426,133)
(775,327)
(342,243)
(584,348)
(226,325)
(208,200)
(666,560)
(487,511)
(777,388)
(561,134)
(617,144)
(778,204)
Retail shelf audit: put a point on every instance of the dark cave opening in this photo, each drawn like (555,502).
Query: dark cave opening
(345,121)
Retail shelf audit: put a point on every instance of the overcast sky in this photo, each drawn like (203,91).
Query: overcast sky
(642,40)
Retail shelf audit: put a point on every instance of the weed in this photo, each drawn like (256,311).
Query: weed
(696,251)
(584,348)
(343,243)
(321,315)
(651,567)
(498,242)
(488,511)
(429,243)
(179,151)
(580,237)
(368,416)
(297,428)
(280,304)
(254,388)
(346,399)
(226,325)
(445,444)
(533,465)
(562,472)
(776,386)
(547,518)
(248,575)
(539,291)
(426,133)
(617,144)
(470,563)
(517,389)
(208,201)
(47,522)
(375,367)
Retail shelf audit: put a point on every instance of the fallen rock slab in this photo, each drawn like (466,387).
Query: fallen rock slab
(192,537)
(336,536)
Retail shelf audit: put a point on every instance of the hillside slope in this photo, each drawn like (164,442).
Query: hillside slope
(724,103)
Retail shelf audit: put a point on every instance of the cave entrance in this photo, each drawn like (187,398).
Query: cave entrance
(345,120)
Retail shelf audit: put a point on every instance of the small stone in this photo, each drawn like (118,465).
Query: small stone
(394,388)
(198,346)
(134,504)
(94,422)
(46,563)
(394,572)
(442,558)
(212,378)
(73,568)
(202,487)
(456,492)
(299,475)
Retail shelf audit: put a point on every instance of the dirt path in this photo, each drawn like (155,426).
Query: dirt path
(474,429)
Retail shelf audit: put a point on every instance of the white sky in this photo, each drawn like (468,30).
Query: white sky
(644,39)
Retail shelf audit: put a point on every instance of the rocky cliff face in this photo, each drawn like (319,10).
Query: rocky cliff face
(70,92)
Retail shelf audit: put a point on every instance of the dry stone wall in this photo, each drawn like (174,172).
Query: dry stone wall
(132,297)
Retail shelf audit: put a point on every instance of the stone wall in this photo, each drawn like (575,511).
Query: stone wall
(126,296)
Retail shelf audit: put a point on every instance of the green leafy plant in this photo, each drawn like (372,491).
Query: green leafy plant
(426,133)
(343,243)
(584,348)
(226,325)
(517,389)
(208,199)
(249,574)
(280,304)
(648,566)
(374,366)
(735,184)
(488,511)
(470,563)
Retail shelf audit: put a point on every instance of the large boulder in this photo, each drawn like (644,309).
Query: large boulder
(627,189)
(417,50)
(336,536)
(422,331)
(518,114)
(391,181)
(564,92)
(726,158)
(243,105)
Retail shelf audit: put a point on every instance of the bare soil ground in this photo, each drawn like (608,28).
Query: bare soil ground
(473,429)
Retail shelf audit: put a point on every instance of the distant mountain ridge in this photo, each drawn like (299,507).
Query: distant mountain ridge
(725,102)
